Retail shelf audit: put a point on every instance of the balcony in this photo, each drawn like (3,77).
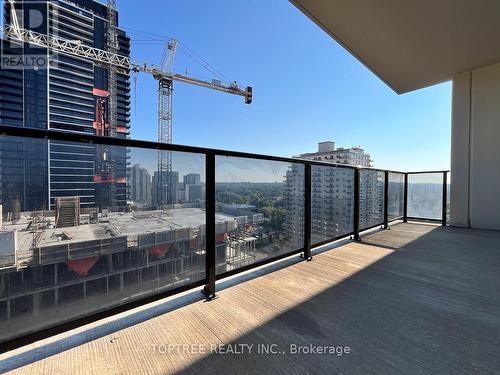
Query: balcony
(140,264)
(104,249)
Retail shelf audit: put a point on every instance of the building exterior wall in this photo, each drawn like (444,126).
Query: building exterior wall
(23,102)
(165,188)
(62,97)
(475,155)
(192,179)
(140,185)
(194,193)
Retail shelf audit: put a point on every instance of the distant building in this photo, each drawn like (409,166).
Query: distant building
(168,190)
(332,205)
(351,156)
(192,179)
(194,193)
(192,187)
(245,214)
(238,209)
(140,185)
(165,188)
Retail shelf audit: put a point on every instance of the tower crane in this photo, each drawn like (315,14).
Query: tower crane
(165,76)
(112,58)
(115,62)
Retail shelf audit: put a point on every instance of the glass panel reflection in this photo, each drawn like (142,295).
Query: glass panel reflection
(260,210)
(371,198)
(396,195)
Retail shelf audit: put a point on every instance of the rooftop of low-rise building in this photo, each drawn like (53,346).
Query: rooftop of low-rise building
(328,147)
(115,224)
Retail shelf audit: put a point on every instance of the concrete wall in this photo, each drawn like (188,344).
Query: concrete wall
(475,149)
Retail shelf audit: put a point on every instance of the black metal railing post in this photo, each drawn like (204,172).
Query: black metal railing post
(209,289)
(405,200)
(386,200)
(357,185)
(307,212)
(445,198)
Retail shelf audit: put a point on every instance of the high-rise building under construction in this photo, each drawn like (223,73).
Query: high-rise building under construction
(68,94)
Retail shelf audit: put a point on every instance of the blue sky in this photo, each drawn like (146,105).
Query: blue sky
(306,87)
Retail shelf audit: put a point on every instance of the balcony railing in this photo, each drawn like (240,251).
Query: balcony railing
(85,236)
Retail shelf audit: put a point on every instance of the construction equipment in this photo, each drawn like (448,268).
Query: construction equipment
(110,58)
(116,63)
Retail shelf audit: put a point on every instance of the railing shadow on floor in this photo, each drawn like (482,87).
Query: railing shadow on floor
(430,305)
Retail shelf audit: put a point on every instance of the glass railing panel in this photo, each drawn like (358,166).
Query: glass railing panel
(86,227)
(259,210)
(425,195)
(332,202)
(371,198)
(395,206)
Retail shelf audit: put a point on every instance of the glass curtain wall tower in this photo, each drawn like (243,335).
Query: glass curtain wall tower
(70,94)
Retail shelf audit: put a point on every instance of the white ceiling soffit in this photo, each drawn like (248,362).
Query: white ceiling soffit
(411,44)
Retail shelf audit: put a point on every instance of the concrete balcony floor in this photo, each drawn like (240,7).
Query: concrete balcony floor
(414,299)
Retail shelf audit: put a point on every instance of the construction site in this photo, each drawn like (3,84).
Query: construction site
(67,263)
(84,88)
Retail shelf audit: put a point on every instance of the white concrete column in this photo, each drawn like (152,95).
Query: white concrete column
(475,149)
(460,150)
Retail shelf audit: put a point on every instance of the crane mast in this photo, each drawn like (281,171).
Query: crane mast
(113,47)
(165,91)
